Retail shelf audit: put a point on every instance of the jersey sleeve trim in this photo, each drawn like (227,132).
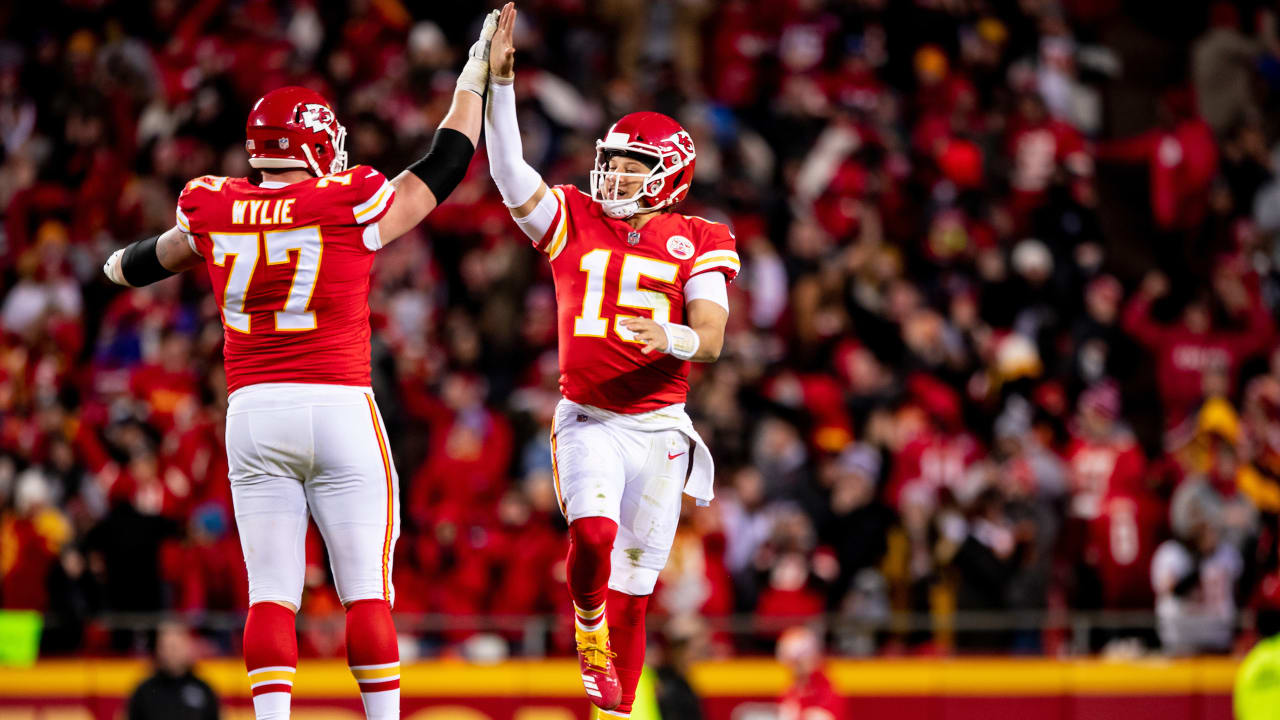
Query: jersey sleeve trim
(558,234)
(541,222)
(716,259)
(372,209)
(183,223)
(191,242)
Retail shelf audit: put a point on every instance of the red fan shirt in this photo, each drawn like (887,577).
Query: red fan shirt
(1121,543)
(1100,468)
(814,697)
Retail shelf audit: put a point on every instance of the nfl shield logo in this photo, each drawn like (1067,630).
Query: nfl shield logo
(633,238)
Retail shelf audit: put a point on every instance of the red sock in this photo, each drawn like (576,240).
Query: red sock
(271,658)
(590,545)
(626,634)
(373,654)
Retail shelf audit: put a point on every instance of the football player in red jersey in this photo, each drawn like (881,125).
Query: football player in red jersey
(640,292)
(289,258)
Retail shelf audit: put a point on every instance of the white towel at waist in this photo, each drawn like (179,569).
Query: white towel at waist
(701,480)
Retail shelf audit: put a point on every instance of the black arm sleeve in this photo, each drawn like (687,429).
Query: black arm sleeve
(141,266)
(445,164)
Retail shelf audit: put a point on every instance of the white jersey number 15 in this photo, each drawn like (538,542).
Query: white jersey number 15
(596,264)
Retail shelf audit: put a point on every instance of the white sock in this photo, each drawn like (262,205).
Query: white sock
(383,705)
(271,706)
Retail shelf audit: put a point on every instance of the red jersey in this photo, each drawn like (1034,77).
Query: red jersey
(1097,469)
(1114,521)
(1183,357)
(930,462)
(1121,542)
(1038,150)
(605,272)
(806,697)
(290,270)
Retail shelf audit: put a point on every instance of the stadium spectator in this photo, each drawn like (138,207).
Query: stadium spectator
(811,695)
(1182,160)
(173,691)
(33,535)
(683,641)
(1194,575)
(1222,70)
(1193,352)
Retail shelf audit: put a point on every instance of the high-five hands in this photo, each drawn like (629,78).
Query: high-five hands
(475,74)
(502,53)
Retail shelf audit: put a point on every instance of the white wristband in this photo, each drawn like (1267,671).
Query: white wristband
(113,270)
(682,341)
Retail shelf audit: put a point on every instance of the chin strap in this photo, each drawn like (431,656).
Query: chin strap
(623,209)
(620,209)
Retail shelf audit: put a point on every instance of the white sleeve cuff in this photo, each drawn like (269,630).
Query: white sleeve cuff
(537,222)
(191,242)
(707,286)
(372,237)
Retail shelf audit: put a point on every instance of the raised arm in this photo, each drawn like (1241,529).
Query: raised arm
(522,188)
(1136,318)
(427,182)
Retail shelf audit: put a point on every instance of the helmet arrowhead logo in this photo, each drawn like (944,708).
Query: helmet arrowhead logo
(316,117)
(684,141)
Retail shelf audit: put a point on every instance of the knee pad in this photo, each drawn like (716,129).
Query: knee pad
(371,635)
(596,533)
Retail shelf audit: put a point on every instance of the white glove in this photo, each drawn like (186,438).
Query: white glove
(475,74)
(113,270)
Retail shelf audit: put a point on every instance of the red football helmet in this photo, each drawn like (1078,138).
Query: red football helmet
(656,140)
(293,127)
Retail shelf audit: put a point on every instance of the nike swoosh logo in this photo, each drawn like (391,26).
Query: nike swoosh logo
(673,457)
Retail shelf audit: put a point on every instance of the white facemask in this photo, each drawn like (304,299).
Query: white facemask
(606,186)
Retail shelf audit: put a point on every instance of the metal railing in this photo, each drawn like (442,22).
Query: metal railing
(529,635)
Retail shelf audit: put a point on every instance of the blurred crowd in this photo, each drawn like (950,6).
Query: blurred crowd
(1003,344)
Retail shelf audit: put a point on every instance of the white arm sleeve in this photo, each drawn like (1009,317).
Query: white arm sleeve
(516,180)
(707,286)
(537,222)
